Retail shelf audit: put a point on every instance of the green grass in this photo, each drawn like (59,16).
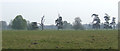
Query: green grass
(63,39)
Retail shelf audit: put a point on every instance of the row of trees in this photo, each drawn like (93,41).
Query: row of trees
(18,23)
(107,25)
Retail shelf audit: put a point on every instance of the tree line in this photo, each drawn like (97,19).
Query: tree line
(19,23)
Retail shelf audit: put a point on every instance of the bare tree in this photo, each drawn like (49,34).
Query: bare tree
(42,22)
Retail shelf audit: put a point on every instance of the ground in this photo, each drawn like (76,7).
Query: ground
(62,39)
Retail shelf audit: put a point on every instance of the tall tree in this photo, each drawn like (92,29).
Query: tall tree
(106,23)
(59,22)
(19,23)
(95,22)
(77,24)
(42,22)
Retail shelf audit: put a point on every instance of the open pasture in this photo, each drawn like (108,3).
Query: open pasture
(62,39)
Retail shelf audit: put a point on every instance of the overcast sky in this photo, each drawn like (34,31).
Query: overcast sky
(33,10)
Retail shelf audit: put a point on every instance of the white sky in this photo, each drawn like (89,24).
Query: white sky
(33,10)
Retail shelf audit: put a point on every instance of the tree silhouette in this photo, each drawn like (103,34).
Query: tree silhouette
(96,22)
(106,24)
(113,23)
(59,22)
(19,23)
(66,25)
(34,26)
(42,22)
(77,24)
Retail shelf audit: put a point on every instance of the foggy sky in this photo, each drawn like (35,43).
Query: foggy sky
(33,10)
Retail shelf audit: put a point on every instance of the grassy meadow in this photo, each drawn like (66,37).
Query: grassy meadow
(62,39)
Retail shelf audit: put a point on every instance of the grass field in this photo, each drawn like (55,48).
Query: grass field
(63,39)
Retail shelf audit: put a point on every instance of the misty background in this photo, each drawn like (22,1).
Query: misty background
(33,10)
